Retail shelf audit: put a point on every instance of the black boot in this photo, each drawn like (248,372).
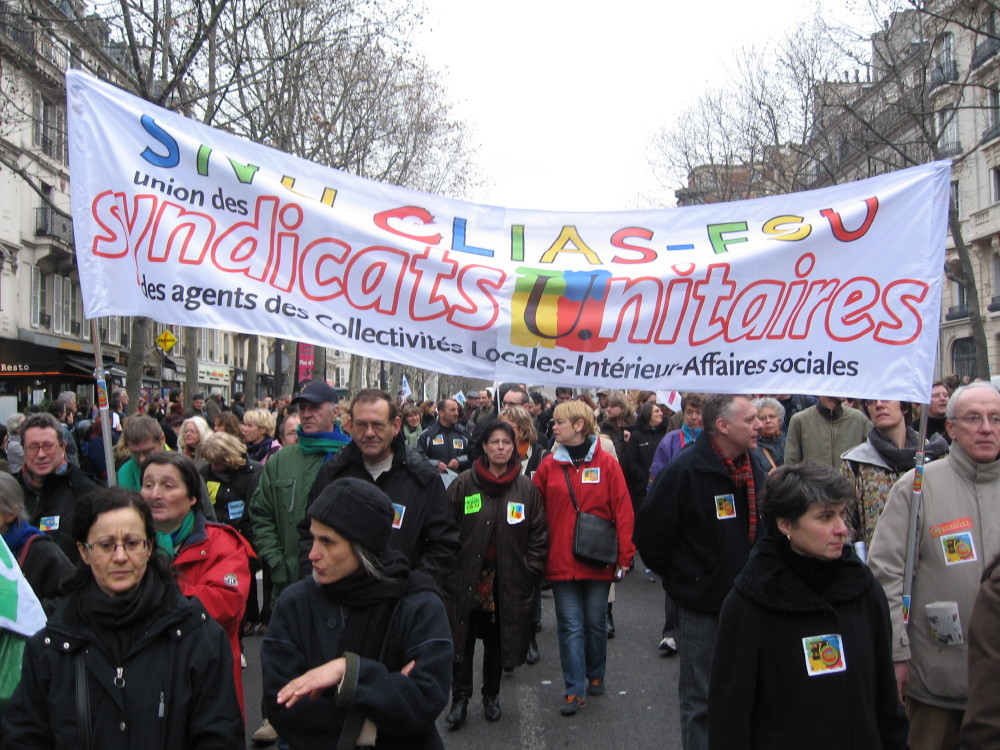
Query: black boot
(459,713)
(491,707)
(532,656)
(611,623)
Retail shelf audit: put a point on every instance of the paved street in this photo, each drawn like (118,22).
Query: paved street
(638,711)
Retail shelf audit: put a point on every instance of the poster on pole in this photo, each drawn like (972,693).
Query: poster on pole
(834,291)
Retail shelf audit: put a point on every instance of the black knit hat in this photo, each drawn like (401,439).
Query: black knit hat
(357,510)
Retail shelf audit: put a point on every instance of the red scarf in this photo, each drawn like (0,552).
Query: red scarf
(741,472)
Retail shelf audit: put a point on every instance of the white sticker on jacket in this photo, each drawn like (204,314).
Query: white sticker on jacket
(515,513)
(591,475)
(438,440)
(49,523)
(458,444)
(824,655)
(725,507)
(958,548)
(397,519)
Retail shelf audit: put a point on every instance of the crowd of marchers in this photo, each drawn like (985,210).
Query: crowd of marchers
(392,536)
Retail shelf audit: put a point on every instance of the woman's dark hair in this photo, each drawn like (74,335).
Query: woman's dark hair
(85,514)
(791,490)
(504,428)
(185,467)
(644,414)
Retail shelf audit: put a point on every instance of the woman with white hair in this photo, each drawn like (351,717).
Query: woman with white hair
(771,441)
(194,432)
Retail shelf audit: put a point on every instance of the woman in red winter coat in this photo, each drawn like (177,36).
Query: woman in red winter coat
(212,560)
(579,474)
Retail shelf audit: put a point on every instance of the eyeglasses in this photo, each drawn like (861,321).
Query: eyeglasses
(512,403)
(35,447)
(377,426)
(974,420)
(106,548)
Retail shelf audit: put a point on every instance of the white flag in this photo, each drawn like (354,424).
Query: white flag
(20,610)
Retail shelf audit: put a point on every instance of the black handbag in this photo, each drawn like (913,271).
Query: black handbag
(595,539)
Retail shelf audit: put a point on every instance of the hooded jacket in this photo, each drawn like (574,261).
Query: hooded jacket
(958,533)
(177,694)
(794,668)
(599,488)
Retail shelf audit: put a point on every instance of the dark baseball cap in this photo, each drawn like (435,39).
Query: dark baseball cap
(317,392)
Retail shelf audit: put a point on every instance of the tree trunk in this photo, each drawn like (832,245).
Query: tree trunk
(971,299)
(191,336)
(136,360)
(253,367)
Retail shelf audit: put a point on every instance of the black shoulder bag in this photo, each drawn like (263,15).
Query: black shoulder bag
(595,539)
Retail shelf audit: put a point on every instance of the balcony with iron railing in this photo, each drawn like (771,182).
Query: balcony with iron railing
(957,312)
(984,51)
(13,26)
(944,72)
(48,223)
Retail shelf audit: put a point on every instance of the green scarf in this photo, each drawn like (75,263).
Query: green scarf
(171,541)
(322,442)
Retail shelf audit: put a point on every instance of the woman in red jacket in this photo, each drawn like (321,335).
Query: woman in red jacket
(579,473)
(212,560)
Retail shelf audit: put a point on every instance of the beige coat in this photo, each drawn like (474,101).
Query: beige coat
(959,523)
(813,437)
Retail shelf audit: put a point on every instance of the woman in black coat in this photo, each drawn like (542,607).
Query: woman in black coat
(490,593)
(649,429)
(803,655)
(157,667)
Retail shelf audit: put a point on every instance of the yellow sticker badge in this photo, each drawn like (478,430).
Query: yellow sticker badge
(824,655)
(725,507)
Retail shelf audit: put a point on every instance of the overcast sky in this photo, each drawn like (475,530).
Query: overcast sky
(564,97)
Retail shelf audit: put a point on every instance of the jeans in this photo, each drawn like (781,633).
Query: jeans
(582,627)
(696,634)
(481,625)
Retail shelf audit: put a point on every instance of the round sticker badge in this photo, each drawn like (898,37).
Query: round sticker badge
(230,579)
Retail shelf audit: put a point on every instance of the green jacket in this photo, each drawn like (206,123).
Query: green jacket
(277,506)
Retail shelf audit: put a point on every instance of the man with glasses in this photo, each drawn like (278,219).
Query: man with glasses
(958,535)
(424,528)
(51,484)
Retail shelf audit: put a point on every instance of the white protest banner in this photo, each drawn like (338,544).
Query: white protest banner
(20,610)
(834,291)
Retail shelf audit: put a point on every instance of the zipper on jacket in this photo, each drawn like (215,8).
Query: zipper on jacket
(291,501)
(119,680)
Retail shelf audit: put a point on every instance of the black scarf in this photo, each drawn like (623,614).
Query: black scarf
(903,459)
(119,621)
(368,604)
(258,451)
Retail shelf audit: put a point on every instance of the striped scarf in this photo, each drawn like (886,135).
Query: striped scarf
(741,472)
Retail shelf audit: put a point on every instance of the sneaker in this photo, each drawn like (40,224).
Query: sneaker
(266,733)
(571,706)
(243,661)
(595,687)
(668,646)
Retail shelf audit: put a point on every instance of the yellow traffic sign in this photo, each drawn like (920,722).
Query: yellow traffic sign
(166,341)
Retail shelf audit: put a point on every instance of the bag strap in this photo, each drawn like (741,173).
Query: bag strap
(569,484)
(24,550)
(82,702)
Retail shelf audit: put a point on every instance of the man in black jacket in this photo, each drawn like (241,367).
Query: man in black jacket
(51,484)
(445,444)
(695,529)
(424,528)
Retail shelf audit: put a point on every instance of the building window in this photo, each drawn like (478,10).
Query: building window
(36,296)
(956,200)
(963,357)
(995,184)
(50,127)
(114,324)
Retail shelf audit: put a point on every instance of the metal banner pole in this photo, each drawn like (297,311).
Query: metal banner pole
(915,500)
(102,403)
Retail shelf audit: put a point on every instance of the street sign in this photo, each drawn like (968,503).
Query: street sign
(166,341)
